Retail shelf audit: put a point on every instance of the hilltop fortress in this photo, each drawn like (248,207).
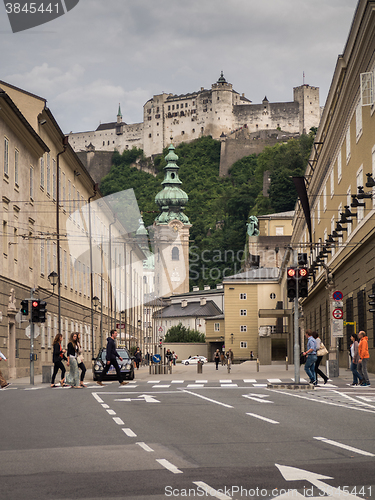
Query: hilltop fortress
(220,112)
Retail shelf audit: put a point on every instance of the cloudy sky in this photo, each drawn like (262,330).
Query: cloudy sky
(106,52)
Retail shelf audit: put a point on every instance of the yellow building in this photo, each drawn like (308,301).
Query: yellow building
(341,195)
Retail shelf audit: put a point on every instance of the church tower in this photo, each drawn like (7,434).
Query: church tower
(171,233)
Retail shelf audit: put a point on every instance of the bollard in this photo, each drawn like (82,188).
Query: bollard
(286,363)
(150,368)
(199,367)
(258,365)
(170,367)
(228,366)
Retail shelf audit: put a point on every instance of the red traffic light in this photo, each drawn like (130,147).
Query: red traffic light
(291,272)
(35,303)
(303,272)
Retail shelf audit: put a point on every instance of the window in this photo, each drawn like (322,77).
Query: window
(31,183)
(325,198)
(217,327)
(6,156)
(358,121)
(48,179)
(348,201)
(54,174)
(42,173)
(243,312)
(279,231)
(243,328)
(318,211)
(243,296)
(175,253)
(348,145)
(42,257)
(339,167)
(373,175)
(332,182)
(243,345)
(16,163)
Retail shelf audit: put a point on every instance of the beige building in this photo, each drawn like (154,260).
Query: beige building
(51,210)
(341,195)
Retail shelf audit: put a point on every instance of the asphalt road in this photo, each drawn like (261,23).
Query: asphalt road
(226,439)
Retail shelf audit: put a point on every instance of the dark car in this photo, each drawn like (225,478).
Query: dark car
(126,365)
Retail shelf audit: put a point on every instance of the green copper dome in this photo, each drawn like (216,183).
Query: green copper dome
(172,199)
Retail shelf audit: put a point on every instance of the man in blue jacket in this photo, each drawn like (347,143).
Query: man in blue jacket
(311,357)
(111,358)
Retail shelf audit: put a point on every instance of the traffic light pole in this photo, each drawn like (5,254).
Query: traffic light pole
(31,339)
(296,327)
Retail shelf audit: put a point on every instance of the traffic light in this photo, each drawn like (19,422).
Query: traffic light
(160,342)
(371,296)
(291,283)
(302,259)
(35,311)
(42,311)
(24,307)
(303,282)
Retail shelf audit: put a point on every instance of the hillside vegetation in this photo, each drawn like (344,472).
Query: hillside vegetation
(218,207)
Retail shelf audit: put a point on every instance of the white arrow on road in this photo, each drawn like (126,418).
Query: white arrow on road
(147,398)
(295,474)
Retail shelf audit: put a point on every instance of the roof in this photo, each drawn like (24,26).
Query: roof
(192,309)
(109,126)
(279,215)
(261,274)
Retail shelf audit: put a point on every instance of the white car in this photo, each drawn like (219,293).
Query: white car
(194,360)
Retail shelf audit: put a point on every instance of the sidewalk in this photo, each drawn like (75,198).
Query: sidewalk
(246,370)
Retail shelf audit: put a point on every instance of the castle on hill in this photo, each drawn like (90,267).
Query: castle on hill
(219,112)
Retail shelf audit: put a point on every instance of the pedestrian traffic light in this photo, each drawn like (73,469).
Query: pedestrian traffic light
(303,282)
(42,311)
(291,283)
(24,307)
(371,296)
(35,311)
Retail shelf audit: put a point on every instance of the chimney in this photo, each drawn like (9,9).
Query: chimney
(203,301)
(207,287)
(184,303)
(195,288)
(219,287)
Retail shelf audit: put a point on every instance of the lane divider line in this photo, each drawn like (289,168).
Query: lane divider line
(111,412)
(118,421)
(207,399)
(258,400)
(129,432)
(169,466)
(99,399)
(211,492)
(144,446)
(344,446)
(263,418)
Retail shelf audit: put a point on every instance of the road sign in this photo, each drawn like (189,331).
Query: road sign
(337,295)
(122,326)
(161,330)
(338,313)
(156,358)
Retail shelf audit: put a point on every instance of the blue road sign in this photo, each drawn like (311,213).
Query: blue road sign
(337,295)
(156,358)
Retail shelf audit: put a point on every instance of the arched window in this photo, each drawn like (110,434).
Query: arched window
(175,253)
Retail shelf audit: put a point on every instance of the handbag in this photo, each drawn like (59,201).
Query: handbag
(322,350)
(302,359)
(79,359)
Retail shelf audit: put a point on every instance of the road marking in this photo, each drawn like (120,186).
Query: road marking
(211,491)
(129,432)
(346,447)
(161,386)
(194,385)
(225,381)
(249,380)
(352,399)
(229,385)
(207,399)
(111,412)
(153,381)
(118,421)
(169,466)
(33,388)
(105,405)
(257,399)
(274,380)
(147,398)
(310,398)
(260,385)
(177,381)
(263,418)
(144,446)
(201,381)
(99,400)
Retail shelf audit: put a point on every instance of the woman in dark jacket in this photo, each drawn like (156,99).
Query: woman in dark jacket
(58,356)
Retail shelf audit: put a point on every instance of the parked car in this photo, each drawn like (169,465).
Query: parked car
(126,365)
(193,360)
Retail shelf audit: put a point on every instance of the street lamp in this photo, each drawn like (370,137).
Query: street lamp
(95,301)
(53,278)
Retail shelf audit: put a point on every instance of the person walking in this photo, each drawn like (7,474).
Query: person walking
(138,357)
(81,364)
(363,358)
(174,358)
(311,357)
(73,376)
(111,358)
(319,358)
(354,359)
(3,382)
(217,358)
(57,357)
